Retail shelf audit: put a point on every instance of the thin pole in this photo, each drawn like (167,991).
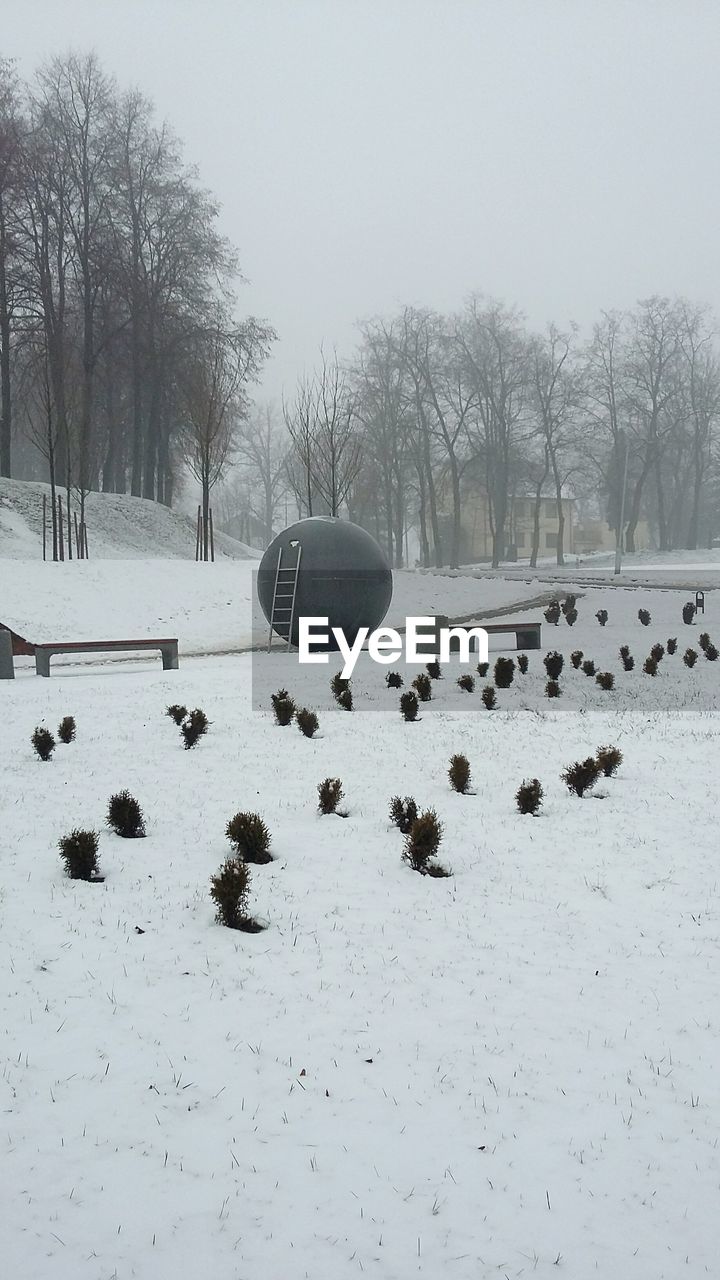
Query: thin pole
(61,538)
(620,532)
(197,536)
(212,539)
(78,552)
(85,540)
(44,524)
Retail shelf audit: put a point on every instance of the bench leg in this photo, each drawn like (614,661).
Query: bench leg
(170,657)
(42,663)
(7,667)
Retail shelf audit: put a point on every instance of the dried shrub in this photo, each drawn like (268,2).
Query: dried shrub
(307,721)
(671,645)
(552,689)
(482,669)
(67,730)
(644,616)
(581,776)
(433,670)
(688,613)
(194,727)
(229,891)
(609,760)
(345,700)
(403,813)
(602,616)
(703,640)
(554,663)
(489,697)
(571,617)
(125,817)
(409,705)
(606,680)
(568,604)
(422,844)
(330,793)
(650,666)
(711,653)
(283,707)
(79,853)
(504,672)
(657,652)
(459,774)
(576,658)
(250,838)
(43,742)
(394,680)
(466,682)
(552,613)
(626,658)
(338,685)
(177,713)
(529,797)
(588,667)
(422,685)
(690,657)
(523,662)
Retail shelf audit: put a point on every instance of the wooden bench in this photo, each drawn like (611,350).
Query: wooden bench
(44,652)
(528,635)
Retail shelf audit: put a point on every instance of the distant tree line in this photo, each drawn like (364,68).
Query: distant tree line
(122,359)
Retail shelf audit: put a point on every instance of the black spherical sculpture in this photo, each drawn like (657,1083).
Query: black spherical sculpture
(343,576)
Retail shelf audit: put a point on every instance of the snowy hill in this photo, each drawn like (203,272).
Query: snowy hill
(119,527)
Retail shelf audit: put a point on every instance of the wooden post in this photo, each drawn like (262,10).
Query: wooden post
(78,552)
(212,539)
(86,551)
(197,534)
(61,538)
(44,524)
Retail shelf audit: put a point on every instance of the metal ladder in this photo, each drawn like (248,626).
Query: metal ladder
(284,592)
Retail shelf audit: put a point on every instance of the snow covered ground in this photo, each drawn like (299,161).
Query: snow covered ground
(510,1072)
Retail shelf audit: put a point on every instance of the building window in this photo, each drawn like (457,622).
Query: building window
(551,541)
(551,511)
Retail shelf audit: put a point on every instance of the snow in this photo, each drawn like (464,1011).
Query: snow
(510,1072)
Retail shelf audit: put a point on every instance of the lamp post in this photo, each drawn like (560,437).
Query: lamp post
(620,531)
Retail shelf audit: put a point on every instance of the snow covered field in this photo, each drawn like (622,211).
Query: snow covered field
(511,1072)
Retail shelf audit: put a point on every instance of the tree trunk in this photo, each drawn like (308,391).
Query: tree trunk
(5,398)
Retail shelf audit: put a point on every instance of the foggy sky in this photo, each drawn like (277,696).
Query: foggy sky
(559,154)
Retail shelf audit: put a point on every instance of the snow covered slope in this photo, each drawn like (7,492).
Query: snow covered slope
(119,527)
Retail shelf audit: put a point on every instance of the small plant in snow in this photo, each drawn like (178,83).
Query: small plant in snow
(466,682)
(703,640)
(125,817)
(177,713)
(403,813)
(602,616)
(609,760)
(459,774)
(79,853)
(650,666)
(711,653)
(690,657)
(43,742)
(552,613)
(522,661)
(409,705)
(581,776)
(626,658)
(576,658)
(529,797)
(554,663)
(330,793)
(571,617)
(606,680)
(338,685)
(688,613)
(482,669)
(423,687)
(433,670)
(671,645)
(504,672)
(394,680)
(229,891)
(283,707)
(588,667)
(249,837)
(345,700)
(67,729)
(644,617)
(307,721)
(657,652)
(194,727)
(568,604)
(552,689)
(422,844)
(489,697)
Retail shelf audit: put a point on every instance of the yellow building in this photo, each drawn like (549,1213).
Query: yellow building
(478,538)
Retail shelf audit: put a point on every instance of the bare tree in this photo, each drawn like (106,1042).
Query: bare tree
(262,449)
